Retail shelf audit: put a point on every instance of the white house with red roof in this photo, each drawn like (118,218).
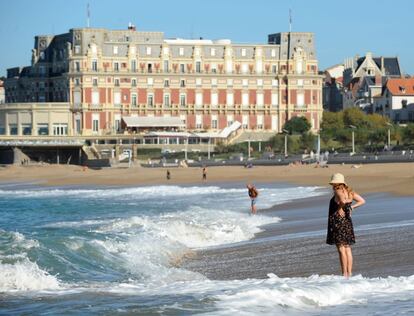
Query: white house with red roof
(397,100)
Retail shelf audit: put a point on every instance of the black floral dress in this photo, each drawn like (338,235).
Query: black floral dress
(340,228)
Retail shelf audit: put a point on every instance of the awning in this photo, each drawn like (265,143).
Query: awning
(153,121)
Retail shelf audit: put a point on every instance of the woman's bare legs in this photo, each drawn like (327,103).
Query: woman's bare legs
(349,260)
(342,259)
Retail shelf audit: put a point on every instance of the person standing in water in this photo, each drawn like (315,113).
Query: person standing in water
(205,174)
(340,228)
(168,175)
(253,194)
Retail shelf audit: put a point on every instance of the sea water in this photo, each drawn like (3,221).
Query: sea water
(117,250)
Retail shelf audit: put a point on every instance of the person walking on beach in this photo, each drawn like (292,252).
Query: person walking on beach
(340,228)
(168,175)
(253,194)
(204,174)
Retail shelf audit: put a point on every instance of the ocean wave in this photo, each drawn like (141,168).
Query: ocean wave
(25,275)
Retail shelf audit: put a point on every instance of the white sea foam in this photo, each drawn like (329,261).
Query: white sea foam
(25,276)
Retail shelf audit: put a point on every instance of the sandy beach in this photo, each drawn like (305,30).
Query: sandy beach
(395,178)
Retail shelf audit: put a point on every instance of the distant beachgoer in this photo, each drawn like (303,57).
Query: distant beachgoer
(253,194)
(204,174)
(168,175)
(340,228)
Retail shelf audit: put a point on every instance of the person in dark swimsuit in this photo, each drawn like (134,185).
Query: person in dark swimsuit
(168,174)
(205,174)
(340,227)
(253,194)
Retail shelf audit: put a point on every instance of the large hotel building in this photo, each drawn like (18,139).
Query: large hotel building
(93,81)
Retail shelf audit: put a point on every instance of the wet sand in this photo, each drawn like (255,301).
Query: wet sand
(296,246)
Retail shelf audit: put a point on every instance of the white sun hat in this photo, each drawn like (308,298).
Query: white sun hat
(337,178)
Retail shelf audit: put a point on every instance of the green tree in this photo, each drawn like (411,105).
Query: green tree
(297,125)
(408,134)
(355,117)
(307,141)
(332,121)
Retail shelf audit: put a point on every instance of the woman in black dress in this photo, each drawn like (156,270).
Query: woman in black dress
(340,228)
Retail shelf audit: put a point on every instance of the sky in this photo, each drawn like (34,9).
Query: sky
(342,28)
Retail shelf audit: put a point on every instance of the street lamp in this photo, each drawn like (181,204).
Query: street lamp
(389,135)
(286,132)
(353,138)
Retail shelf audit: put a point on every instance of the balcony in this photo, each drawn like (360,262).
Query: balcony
(95,107)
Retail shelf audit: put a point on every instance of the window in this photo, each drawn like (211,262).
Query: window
(150,100)
(273,53)
(259,99)
(95,97)
(244,68)
(183,100)
(95,124)
(117,98)
(243,52)
(214,122)
(149,66)
(167,99)
(77,81)
(213,52)
(181,51)
(199,121)
(116,66)
(230,120)
(43,129)
(301,99)
(274,69)
(198,66)
(260,122)
(402,89)
(275,99)
(13,129)
(134,82)
(166,83)
(134,99)
(78,126)
(115,50)
(77,49)
(245,99)
(214,68)
(117,124)
(245,121)
(26,129)
(95,82)
(166,66)
(116,81)
(182,68)
(404,104)
(77,66)
(230,99)
(94,65)
(214,99)
(199,99)
(182,83)
(148,50)
(60,129)
(133,65)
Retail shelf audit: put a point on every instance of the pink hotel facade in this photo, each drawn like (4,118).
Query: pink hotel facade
(86,81)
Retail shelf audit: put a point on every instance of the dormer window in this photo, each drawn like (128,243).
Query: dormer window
(402,89)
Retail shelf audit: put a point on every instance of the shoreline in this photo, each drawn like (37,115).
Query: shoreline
(394,178)
(295,247)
